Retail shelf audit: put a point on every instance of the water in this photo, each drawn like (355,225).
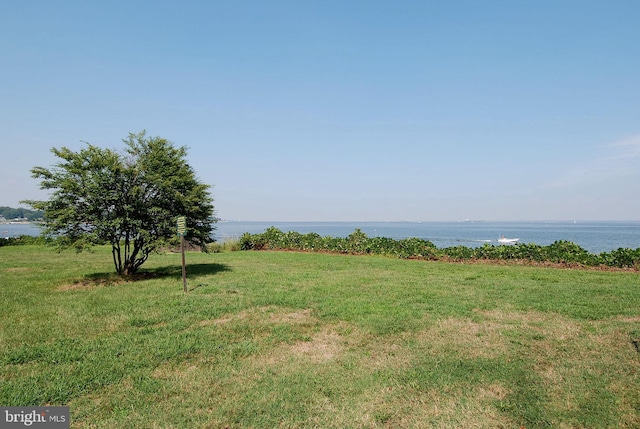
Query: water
(595,237)
(16,229)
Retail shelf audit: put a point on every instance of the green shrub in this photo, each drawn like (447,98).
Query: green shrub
(23,240)
(563,251)
(416,248)
(358,243)
(621,258)
(458,253)
(530,252)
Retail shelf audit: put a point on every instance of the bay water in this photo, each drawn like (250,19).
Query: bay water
(595,237)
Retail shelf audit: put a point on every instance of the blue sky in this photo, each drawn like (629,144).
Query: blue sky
(341,110)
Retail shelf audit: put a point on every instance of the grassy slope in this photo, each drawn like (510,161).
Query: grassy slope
(266,339)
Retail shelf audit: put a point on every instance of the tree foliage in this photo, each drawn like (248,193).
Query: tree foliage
(128,199)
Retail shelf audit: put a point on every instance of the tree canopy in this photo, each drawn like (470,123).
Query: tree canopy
(129,199)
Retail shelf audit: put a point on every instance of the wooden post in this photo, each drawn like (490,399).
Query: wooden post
(184,265)
(181,223)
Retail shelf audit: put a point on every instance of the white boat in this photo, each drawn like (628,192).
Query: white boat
(505,240)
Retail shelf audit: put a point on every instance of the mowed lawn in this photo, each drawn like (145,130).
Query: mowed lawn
(301,340)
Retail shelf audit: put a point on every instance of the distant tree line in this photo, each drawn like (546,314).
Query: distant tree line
(20,213)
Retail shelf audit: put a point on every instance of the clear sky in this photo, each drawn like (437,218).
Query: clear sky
(341,110)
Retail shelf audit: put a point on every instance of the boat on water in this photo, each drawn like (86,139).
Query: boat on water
(505,240)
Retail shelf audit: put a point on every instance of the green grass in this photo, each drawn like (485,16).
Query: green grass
(280,339)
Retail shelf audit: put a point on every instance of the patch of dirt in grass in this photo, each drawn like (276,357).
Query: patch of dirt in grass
(628,319)
(453,408)
(324,346)
(295,317)
(171,371)
(242,315)
(535,326)
(265,315)
(333,343)
(213,322)
(386,354)
(18,269)
(464,337)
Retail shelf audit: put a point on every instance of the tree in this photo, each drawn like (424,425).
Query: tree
(129,200)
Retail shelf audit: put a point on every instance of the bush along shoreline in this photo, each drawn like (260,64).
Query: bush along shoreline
(560,252)
(23,240)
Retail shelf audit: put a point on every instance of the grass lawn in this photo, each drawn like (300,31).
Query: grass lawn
(277,339)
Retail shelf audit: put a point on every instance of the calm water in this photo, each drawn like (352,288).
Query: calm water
(595,237)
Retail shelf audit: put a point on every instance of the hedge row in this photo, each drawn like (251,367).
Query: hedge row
(358,243)
(22,240)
